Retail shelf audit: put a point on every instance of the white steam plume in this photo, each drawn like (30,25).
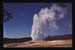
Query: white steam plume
(45,21)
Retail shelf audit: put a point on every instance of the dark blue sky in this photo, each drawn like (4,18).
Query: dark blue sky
(20,25)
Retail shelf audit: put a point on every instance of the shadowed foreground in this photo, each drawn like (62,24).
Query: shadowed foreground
(45,44)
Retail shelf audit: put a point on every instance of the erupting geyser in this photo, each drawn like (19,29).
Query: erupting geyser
(45,21)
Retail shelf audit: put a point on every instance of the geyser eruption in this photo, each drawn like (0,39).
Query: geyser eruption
(45,21)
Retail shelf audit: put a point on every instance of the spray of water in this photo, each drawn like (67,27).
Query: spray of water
(45,21)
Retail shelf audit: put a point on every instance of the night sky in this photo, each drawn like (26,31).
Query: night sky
(21,24)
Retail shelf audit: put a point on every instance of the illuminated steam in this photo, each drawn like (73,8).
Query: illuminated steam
(45,21)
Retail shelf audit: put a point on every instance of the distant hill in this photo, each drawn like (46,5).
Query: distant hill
(13,40)
(64,37)
(16,40)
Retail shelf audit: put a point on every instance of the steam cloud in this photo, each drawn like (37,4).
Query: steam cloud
(46,20)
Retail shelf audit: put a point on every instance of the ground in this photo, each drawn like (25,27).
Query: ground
(41,43)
